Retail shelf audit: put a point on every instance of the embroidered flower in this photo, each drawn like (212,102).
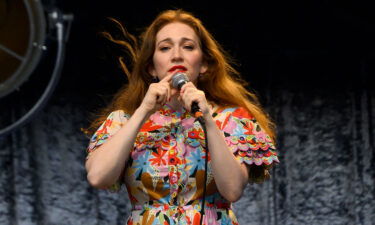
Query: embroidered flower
(160,119)
(142,164)
(196,161)
(173,160)
(249,127)
(188,123)
(158,158)
(220,124)
(150,126)
(196,134)
(230,126)
(241,112)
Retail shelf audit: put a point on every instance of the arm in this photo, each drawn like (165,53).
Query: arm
(231,177)
(106,163)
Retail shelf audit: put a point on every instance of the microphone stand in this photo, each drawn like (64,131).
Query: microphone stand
(178,81)
(203,124)
(199,117)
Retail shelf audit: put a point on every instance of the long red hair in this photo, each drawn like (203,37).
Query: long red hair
(221,83)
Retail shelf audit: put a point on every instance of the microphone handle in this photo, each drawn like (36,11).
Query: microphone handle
(196,110)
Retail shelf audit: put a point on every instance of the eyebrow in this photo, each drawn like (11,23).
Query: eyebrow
(184,39)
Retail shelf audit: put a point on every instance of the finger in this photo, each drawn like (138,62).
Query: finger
(189,91)
(167,78)
(168,91)
(161,100)
(158,92)
(186,100)
(187,85)
(160,95)
(165,95)
(190,103)
(195,96)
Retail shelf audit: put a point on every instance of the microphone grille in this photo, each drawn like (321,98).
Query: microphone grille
(179,79)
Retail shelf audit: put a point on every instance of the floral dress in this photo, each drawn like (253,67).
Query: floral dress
(164,175)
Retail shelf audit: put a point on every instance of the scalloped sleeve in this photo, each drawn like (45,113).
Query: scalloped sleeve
(247,140)
(107,129)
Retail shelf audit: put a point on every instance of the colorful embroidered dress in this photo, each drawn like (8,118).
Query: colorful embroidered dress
(165,172)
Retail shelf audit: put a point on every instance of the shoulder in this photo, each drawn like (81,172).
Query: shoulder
(237,112)
(118,116)
(234,120)
(114,120)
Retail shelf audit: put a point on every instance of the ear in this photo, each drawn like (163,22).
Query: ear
(204,67)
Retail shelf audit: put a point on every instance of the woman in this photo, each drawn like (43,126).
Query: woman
(149,140)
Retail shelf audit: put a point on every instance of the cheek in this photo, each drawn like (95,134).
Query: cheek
(197,62)
(158,62)
(155,61)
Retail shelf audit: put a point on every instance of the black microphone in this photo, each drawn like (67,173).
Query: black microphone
(178,80)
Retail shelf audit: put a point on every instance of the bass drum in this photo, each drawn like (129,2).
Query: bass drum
(22,36)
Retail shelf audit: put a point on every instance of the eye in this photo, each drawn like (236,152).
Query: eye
(164,48)
(189,47)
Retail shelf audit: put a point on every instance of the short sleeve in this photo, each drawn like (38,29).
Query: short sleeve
(247,140)
(107,129)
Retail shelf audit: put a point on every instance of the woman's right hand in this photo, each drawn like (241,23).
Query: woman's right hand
(157,95)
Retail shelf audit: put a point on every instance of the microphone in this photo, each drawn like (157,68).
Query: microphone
(178,80)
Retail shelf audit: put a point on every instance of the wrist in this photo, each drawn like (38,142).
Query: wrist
(143,112)
(209,120)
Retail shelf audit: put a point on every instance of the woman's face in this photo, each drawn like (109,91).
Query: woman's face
(177,48)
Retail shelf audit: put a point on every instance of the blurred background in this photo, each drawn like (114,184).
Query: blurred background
(312,64)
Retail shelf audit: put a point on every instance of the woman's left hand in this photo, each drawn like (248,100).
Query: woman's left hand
(189,94)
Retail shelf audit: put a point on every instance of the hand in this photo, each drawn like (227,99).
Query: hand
(158,94)
(189,94)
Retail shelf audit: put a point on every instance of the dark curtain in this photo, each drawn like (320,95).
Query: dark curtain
(326,174)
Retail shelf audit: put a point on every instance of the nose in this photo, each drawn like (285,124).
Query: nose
(176,55)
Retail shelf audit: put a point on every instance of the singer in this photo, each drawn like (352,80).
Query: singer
(149,140)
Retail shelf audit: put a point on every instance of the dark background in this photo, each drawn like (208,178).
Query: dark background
(310,62)
(313,44)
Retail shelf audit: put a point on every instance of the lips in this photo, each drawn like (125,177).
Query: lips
(179,67)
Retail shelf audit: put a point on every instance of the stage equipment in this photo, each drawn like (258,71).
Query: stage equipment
(25,28)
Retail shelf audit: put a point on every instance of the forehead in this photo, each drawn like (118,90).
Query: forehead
(176,30)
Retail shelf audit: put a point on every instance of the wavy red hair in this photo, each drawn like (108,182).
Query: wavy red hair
(221,83)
